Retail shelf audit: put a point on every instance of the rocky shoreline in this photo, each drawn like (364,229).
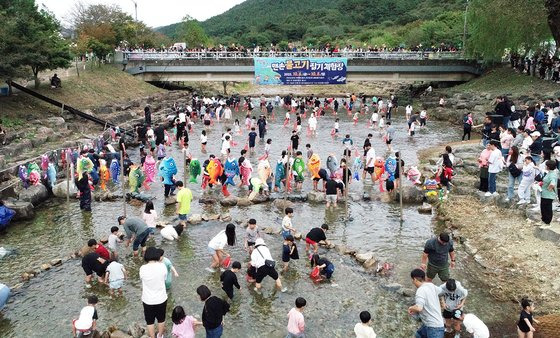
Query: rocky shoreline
(512,257)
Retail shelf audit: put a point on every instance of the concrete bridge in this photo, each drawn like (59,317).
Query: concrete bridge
(401,67)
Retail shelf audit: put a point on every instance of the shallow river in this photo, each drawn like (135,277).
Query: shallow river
(45,306)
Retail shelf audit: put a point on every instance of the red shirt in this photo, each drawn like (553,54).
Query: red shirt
(103,252)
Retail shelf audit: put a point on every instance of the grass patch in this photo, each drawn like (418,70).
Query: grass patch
(504,80)
(95,86)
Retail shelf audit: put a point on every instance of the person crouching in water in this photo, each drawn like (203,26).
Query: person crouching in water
(326,268)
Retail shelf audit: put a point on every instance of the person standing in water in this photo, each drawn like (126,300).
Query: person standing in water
(427,306)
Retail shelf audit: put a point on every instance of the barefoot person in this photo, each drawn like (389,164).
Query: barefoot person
(217,244)
(154,296)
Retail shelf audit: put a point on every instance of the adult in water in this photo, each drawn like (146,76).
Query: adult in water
(217,244)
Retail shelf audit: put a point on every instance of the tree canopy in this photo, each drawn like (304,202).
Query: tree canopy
(30,40)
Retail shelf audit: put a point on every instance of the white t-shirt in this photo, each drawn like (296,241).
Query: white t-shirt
(374,117)
(475,326)
(370,158)
(423,114)
(153,277)
(286,223)
(115,270)
(408,110)
(112,242)
(225,146)
(364,331)
(182,118)
(203,138)
(169,232)
(85,321)
(219,241)
(258,259)
(495,161)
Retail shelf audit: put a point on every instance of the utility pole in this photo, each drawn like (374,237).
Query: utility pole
(135,10)
(465,30)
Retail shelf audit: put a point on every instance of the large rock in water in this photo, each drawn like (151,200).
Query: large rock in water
(24,210)
(282,204)
(59,189)
(411,194)
(315,196)
(35,194)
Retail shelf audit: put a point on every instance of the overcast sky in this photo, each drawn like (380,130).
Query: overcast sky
(154,13)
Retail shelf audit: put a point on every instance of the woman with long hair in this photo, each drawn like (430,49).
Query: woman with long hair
(217,244)
(514,165)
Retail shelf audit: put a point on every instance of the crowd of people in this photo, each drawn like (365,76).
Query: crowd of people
(543,65)
(439,308)
(524,146)
(291,49)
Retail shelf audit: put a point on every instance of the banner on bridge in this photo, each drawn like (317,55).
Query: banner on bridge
(300,71)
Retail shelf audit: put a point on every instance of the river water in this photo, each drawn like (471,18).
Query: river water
(45,306)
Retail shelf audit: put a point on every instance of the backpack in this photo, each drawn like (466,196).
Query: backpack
(514,170)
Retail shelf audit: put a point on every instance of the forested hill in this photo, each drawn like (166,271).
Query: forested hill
(319,21)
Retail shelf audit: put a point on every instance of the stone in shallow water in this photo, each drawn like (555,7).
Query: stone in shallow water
(362,257)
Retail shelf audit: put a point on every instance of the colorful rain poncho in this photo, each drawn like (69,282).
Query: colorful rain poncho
(299,169)
(314,165)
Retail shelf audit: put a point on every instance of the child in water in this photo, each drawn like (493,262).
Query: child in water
(237,127)
(203,141)
(183,325)
(355,118)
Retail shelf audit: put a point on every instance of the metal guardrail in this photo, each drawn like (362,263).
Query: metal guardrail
(169,55)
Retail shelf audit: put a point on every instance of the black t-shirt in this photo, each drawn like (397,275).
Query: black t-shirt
(331,187)
(323,174)
(316,235)
(295,141)
(213,312)
(90,264)
(367,142)
(252,137)
(229,280)
(323,261)
(521,324)
(298,119)
(159,133)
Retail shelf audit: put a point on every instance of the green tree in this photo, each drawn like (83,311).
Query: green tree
(48,49)
(496,25)
(191,32)
(30,40)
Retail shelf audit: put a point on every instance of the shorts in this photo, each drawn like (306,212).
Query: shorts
(412,133)
(331,198)
(442,272)
(250,244)
(206,122)
(370,169)
(448,314)
(153,312)
(389,185)
(116,284)
(89,271)
(388,141)
(183,217)
(211,251)
(310,242)
(264,271)
(140,240)
(298,179)
(285,233)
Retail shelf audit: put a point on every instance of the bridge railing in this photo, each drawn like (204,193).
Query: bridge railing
(170,55)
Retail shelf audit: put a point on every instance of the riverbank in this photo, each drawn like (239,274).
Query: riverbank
(33,126)
(509,256)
